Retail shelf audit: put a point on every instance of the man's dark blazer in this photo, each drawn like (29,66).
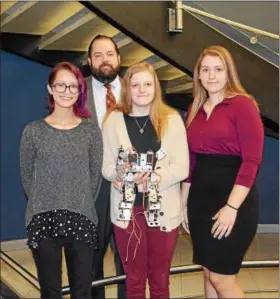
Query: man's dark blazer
(103,212)
(90,101)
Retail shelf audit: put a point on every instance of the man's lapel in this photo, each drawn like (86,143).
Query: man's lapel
(90,101)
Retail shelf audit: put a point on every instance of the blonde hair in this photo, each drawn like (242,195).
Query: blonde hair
(159,111)
(232,88)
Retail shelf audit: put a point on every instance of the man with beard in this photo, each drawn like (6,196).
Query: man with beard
(103,92)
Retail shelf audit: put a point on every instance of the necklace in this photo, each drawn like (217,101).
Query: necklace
(141,128)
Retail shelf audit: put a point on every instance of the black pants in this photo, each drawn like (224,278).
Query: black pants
(105,236)
(79,261)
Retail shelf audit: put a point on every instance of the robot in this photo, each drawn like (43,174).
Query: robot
(128,163)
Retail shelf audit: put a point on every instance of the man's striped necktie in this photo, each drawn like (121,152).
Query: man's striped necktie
(110,98)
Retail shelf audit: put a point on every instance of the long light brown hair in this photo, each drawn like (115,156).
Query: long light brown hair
(232,88)
(159,111)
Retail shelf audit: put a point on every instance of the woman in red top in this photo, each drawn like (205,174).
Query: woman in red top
(225,135)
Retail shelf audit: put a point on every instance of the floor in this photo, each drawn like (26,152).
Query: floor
(258,283)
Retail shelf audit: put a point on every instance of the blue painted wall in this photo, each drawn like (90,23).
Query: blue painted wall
(268,182)
(23,99)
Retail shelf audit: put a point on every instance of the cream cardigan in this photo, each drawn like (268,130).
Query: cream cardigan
(173,168)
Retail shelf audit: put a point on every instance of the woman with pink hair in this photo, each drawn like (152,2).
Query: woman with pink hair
(61,159)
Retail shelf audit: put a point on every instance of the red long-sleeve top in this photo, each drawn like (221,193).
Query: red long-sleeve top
(234,128)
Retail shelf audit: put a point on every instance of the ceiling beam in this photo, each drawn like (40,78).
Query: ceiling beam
(180,88)
(160,64)
(74,22)
(122,43)
(16,10)
(156,61)
(5,5)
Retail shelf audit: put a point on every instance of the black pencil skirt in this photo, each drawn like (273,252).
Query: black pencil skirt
(212,182)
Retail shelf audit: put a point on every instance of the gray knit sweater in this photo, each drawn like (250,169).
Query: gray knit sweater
(61,169)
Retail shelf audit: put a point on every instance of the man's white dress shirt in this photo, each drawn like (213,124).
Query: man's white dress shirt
(99,96)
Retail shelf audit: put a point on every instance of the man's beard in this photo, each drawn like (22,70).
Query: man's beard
(105,77)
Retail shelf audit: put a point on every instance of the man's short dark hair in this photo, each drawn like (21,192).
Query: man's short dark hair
(100,37)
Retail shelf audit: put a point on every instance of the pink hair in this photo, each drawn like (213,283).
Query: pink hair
(79,107)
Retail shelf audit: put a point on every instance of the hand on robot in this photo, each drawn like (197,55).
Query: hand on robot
(140,177)
(121,171)
(143,178)
(119,180)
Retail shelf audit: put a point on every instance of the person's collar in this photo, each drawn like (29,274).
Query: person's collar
(114,84)
(228,99)
(96,83)
(225,101)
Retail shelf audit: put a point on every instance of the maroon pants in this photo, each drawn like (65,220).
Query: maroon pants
(146,253)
